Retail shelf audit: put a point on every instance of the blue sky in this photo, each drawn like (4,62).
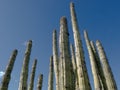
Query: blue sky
(23,20)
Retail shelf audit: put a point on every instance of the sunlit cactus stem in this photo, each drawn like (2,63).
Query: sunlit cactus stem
(96,77)
(40,82)
(65,55)
(99,65)
(51,73)
(7,75)
(55,59)
(24,72)
(83,79)
(73,57)
(111,84)
(31,85)
(74,67)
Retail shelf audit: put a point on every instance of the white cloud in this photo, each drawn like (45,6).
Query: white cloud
(1,73)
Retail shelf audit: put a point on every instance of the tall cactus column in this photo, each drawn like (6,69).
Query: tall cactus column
(50,81)
(74,67)
(111,84)
(55,59)
(65,54)
(99,65)
(24,72)
(96,77)
(40,82)
(31,85)
(81,66)
(7,75)
(73,58)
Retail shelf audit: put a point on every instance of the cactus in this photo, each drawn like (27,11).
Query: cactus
(61,70)
(24,72)
(73,58)
(96,77)
(50,81)
(65,54)
(7,75)
(55,59)
(69,68)
(100,69)
(40,82)
(81,66)
(61,75)
(74,67)
(31,85)
(111,84)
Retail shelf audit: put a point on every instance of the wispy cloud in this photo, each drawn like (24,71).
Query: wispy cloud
(1,73)
(24,43)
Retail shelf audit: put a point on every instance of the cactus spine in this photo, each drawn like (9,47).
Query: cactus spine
(31,85)
(96,77)
(111,84)
(24,72)
(81,67)
(55,59)
(50,81)
(40,82)
(7,75)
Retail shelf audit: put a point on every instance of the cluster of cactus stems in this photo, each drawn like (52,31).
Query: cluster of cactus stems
(69,65)
(24,72)
(94,66)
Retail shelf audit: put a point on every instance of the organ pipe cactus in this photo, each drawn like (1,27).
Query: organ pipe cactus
(65,54)
(96,77)
(80,60)
(73,58)
(40,82)
(61,75)
(61,67)
(111,84)
(50,81)
(31,85)
(7,75)
(24,72)
(74,67)
(55,59)
(100,69)
(70,71)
